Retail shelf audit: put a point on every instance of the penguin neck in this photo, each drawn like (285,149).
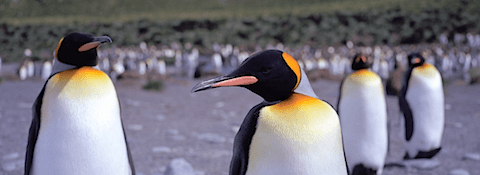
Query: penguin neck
(60,67)
(304,86)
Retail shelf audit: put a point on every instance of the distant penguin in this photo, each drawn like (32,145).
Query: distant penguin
(46,70)
(394,81)
(30,68)
(161,67)
(362,110)
(76,127)
(142,67)
(0,65)
(291,131)
(22,71)
(421,101)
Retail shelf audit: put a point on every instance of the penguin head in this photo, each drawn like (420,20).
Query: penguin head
(271,74)
(79,49)
(360,62)
(415,59)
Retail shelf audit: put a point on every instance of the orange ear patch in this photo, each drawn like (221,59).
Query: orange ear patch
(363,58)
(293,64)
(88,46)
(58,47)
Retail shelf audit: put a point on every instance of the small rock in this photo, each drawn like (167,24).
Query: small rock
(199,173)
(160,117)
(25,105)
(214,93)
(178,137)
(423,164)
(458,125)
(10,166)
(135,127)
(133,103)
(179,166)
(211,137)
(235,129)
(160,149)
(173,131)
(219,104)
(471,156)
(448,106)
(11,156)
(459,172)
(162,169)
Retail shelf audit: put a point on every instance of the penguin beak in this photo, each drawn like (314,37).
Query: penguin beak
(102,39)
(224,81)
(95,43)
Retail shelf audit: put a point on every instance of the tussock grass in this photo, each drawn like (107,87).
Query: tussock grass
(86,11)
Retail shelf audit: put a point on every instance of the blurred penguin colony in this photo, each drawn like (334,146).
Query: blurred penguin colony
(454,59)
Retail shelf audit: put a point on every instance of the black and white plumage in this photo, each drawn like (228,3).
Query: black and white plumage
(291,131)
(421,101)
(76,126)
(362,110)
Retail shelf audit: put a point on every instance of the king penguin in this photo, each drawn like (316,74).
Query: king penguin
(76,127)
(291,131)
(362,110)
(421,101)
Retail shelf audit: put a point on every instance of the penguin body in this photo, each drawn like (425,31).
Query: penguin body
(46,70)
(291,132)
(363,116)
(76,126)
(422,104)
(291,138)
(23,72)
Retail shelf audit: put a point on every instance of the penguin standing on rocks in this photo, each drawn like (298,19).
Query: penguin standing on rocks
(291,131)
(421,101)
(76,126)
(362,110)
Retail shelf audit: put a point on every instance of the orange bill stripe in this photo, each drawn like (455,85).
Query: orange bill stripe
(244,80)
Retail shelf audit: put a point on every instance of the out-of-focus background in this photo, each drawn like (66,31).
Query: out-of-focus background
(161,49)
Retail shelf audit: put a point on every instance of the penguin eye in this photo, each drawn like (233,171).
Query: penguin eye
(265,70)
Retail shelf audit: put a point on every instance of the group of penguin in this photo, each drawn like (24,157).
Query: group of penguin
(77,128)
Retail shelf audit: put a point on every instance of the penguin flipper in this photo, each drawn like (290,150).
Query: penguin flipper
(33,132)
(340,95)
(130,160)
(360,169)
(129,154)
(427,154)
(405,108)
(243,139)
